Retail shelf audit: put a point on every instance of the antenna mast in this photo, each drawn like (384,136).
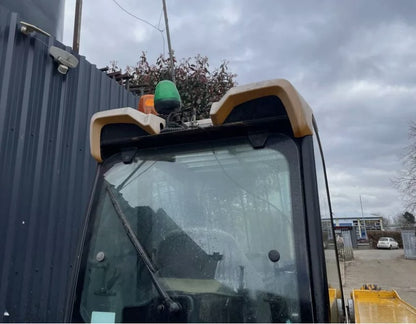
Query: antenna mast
(172,70)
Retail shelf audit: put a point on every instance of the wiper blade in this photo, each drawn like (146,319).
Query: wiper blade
(172,305)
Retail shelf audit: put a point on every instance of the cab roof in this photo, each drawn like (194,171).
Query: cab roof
(252,101)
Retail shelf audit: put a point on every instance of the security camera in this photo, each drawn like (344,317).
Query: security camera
(65,59)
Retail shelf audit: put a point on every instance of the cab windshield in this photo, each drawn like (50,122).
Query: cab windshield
(216,221)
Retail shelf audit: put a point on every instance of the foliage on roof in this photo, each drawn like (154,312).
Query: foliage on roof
(198,85)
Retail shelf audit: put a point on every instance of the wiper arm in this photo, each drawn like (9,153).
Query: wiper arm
(122,184)
(172,306)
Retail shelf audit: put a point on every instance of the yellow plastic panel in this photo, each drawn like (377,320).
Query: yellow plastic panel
(372,306)
(333,295)
(148,122)
(298,111)
(194,286)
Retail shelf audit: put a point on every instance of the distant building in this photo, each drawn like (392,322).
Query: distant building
(359,225)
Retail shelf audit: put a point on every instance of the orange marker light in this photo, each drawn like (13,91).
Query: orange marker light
(147,104)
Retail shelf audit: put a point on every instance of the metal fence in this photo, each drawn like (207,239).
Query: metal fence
(409,243)
(345,246)
(46,171)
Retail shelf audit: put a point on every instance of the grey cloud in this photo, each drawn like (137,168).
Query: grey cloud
(353,61)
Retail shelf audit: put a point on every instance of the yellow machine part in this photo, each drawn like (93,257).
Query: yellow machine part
(298,111)
(334,294)
(381,306)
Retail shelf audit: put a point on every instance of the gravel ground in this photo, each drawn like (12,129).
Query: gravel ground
(388,269)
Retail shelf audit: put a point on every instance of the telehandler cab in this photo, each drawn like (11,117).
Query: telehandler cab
(214,220)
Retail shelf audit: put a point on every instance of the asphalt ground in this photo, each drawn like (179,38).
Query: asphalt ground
(388,269)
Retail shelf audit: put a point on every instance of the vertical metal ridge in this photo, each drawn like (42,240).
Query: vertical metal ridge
(53,208)
(87,164)
(3,103)
(7,73)
(36,189)
(18,225)
(68,203)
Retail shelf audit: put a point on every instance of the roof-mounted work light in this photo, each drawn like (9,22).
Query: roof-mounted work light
(167,98)
(64,59)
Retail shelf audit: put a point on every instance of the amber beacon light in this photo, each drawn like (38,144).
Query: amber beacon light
(147,104)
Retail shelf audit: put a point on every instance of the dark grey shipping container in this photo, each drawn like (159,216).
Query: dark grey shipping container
(46,171)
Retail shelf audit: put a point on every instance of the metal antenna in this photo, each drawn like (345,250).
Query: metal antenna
(172,70)
(77,26)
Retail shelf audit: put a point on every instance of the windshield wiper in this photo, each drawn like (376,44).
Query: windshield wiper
(172,305)
(122,184)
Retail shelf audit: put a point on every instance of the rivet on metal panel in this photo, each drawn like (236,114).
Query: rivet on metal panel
(100,256)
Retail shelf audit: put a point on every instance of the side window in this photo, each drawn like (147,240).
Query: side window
(327,234)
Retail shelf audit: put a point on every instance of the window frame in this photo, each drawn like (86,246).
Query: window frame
(303,275)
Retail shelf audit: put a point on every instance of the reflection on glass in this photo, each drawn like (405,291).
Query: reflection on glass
(207,218)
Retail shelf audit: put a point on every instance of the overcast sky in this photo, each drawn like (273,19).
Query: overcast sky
(353,61)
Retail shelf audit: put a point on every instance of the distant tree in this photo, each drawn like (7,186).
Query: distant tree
(409,217)
(406,219)
(406,182)
(197,84)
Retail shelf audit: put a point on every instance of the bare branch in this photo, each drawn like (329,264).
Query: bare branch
(406,181)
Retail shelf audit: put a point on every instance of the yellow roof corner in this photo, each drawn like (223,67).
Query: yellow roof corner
(298,111)
(152,124)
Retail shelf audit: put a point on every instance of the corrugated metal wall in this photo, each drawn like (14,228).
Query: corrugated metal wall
(409,243)
(46,171)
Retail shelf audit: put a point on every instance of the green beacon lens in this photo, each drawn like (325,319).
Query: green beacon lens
(167,98)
